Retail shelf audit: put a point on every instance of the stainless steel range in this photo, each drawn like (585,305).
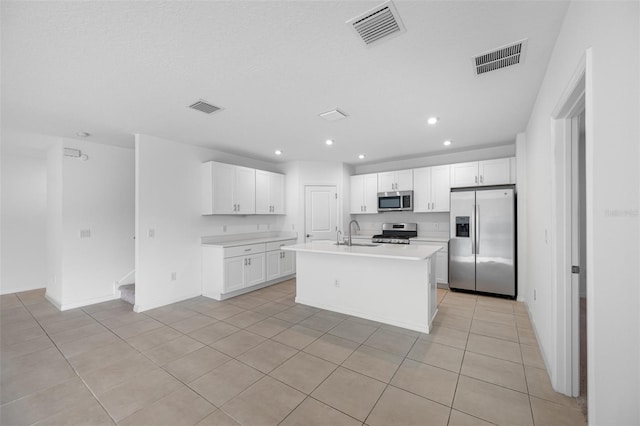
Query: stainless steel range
(396,233)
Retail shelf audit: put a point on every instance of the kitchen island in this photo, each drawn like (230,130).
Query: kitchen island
(390,283)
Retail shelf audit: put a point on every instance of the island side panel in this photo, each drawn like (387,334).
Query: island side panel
(391,291)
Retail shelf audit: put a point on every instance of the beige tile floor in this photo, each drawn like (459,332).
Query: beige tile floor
(262,359)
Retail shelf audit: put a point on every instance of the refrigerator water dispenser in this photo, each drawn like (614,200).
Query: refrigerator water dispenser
(462,226)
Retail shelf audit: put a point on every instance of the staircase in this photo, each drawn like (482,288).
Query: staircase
(127,287)
(128,293)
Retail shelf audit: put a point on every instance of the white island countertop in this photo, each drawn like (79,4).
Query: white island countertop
(387,251)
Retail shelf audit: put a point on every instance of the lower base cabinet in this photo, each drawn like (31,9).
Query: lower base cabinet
(229,271)
(442,260)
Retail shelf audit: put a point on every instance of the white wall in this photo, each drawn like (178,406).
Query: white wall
(610,29)
(305,173)
(168,201)
(97,195)
(502,151)
(54,223)
(24,219)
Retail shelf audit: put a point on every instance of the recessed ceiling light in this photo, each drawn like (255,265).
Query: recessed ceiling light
(446,143)
(329,142)
(278,152)
(432,120)
(361,156)
(83,134)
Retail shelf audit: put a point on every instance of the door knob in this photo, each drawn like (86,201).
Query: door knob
(308,235)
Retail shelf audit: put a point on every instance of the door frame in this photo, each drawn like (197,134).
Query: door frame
(577,96)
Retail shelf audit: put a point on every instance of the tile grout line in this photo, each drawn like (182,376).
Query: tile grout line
(66,360)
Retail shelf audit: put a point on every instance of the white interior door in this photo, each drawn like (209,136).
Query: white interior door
(321,212)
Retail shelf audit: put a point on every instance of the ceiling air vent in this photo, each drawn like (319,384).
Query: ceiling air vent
(502,57)
(205,107)
(377,24)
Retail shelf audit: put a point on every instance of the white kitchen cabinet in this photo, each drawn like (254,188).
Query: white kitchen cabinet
(270,191)
(399,180)
(364,194)
(243,271)
(280,263)
(479,173)
(494,172)
(229,271)
(227,189)
(442,259)
(431,189)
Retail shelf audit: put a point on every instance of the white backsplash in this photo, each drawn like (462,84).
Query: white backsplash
(429,224)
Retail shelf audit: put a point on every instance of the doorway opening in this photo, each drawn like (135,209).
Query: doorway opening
(571,130)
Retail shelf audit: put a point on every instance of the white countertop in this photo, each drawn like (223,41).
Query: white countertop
(387,251)
(429,238)
(245,239)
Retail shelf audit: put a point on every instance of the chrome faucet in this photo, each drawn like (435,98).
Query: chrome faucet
(351,223)
(338,235)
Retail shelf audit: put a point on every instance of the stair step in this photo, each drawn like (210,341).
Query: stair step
(128,293)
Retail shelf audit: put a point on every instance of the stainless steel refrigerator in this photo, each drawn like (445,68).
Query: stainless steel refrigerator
(482,246)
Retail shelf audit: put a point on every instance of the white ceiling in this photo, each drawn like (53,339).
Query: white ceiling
(118,68)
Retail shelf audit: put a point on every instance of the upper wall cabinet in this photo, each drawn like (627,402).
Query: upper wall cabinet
(431,189)
(270,188)
(479,173)
(400,180)
(364,194)
(228,189)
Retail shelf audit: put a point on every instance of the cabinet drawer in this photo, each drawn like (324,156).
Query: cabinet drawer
(243,250)
(277,244)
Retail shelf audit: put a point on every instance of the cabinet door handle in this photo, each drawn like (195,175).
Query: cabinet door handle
(245,262)
(249,261)
(247,249)
(365,208)
(476,179)
(481,178)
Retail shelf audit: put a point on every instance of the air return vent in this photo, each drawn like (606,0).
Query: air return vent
(502,57)
(205,107)
(377,24)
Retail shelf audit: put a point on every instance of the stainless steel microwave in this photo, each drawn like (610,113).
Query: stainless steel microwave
(395,201)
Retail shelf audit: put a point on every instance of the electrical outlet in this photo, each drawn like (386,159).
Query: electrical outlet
(151,233)
(224,228)
(174,276)
(85,233)
(336,283)
(546,236)
(293,226)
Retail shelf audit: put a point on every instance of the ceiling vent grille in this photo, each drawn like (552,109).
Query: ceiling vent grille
(502,57)
(205,107)
(378,24)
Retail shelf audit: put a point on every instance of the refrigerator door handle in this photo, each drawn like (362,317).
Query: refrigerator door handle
(477,228)
(473,231)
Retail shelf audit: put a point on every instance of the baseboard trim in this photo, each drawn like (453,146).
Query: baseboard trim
(141,308)
(82,303)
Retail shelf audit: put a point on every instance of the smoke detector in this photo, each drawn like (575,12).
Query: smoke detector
(378,24)
(501,57)
(204,106)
